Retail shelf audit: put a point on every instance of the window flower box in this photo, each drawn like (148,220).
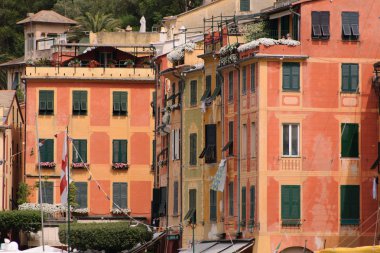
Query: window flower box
(79,165)
(80,211)
(120,166)
(47,165)
(123,211)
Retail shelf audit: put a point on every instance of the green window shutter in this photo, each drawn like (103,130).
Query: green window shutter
(124,102)
(49,100)
(83,101)
(116,101)
(154,153)
(290,204)
(350,204)
(231,199)
(77,147)
(354,74)
(346,78)
(123,195)
(253,77)
(286,76)
(193,149)
(213,200)
(193,92)
(81,197)
(193,203)
(175,198)
(47,192)
(42,98)
(244,5)
(116,194)
(350,140)
(295,76)
(123,151)
(230,86)
(231,137)
(47,150)
(244,84)
(115,150)
(76,102)
(83,150)
(252,203)
(208,86)
(243,204)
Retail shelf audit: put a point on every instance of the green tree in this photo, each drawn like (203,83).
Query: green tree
(98,22)
(73,195)
(23,193)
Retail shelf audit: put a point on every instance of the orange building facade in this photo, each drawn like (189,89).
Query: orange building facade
(109,118)
(301,127)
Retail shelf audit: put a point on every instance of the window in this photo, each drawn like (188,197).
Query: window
(120,193)
(81,197)
(175,198)
(252,198)
(193,203)
(120,103)
(350,77)
(46,105)
(291,76)
(105,58)
(253,77)
(153,104)
(193,149)
(30,42)
(175,144)
(244,81)
(320,24)
(119,151)
(80,151)
(213,200)
(284,24)
(253,139)
(207,92)
(349,140)
(244,5)
(173,96)
(209,151)
(153,154)
(46,150)
(243,204)
(193,92)
(16,80)
(230,138)
(244,141)
(231,198)
(290,140)
(349,204)
(350,25)
(47,189)
(290,205)
(217,90)
(79,102)
(230,86)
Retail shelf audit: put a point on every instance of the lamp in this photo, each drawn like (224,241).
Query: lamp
(376,78)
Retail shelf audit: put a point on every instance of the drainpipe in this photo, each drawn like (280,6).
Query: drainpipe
(221,83)
(237,67)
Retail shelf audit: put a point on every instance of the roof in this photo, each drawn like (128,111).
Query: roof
(6,99)
(48,16)
(18,61)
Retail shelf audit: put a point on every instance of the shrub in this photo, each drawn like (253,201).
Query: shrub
(23,193)
(19,220)
(111,237)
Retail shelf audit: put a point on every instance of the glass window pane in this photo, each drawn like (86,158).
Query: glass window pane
(285,140)
(294,139)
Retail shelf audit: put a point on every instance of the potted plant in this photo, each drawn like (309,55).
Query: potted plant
(112,64)
(120,166)
(147,63)
(29,63)
(93,64)
(129,63)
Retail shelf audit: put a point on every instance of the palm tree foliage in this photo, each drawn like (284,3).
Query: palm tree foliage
(98,22)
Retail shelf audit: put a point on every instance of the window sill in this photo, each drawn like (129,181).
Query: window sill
(291,90)
(320,38)
(350,158)
(350,40)
(289,156)
(45,114)
(121,115)
(80,114)
(354,92)
(244,94)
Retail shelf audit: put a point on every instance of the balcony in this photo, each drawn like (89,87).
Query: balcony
(86,73)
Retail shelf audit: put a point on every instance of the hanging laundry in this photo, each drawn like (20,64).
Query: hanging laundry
(220,177)
(374,188)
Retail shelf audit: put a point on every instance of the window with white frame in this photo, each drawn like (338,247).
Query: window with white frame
(175,144)
(253,139)
(290,140)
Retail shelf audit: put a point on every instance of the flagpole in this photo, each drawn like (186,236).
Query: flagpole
(68,190)
(40,185)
